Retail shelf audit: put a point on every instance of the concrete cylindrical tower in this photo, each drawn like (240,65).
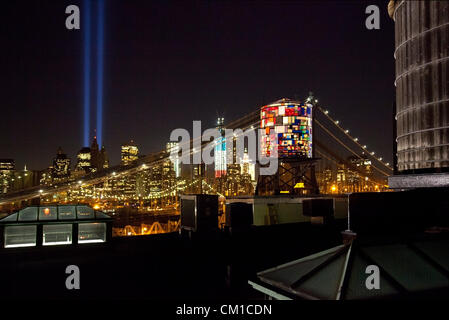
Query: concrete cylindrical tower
(422,85)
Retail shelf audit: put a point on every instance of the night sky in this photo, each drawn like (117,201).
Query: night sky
(168,63)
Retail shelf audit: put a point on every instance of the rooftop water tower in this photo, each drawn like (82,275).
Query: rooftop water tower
(291,122)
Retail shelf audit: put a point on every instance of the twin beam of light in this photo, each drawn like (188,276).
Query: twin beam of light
(100,41)
(87,70)
(86,101)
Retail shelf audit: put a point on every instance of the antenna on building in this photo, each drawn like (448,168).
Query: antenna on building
(348,234)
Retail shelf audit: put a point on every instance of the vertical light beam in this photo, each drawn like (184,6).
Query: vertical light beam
(100,43)
(86,101)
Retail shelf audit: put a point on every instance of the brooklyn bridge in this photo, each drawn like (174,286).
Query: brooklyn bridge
(144,194)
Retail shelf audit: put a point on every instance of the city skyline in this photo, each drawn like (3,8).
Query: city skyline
(234,151)
(222,67)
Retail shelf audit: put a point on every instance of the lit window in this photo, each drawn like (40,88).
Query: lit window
(85,212)
(20,236)
(47,213)
(91,232)
(57,234)
(28,214)
(67,212)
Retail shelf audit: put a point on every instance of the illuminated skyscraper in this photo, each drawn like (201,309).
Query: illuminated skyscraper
(84,160)
(25,178)
(104,159)
(129,153)
(92,159)
(61,165)
(7,167)
(363,164)
(248,167)
(220,151)
(174,147)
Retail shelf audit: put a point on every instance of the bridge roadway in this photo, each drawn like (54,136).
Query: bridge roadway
(245,122)
(250,120)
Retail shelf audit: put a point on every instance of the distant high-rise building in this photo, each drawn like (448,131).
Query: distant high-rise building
(95,155)
(7,167)
(25,178)
(92,159)
(248,167)
(104,159)
(84,160)
(176,161)
(61,165)
(46,176)
(129,153)
(7,164)
(362,164)
(220,151)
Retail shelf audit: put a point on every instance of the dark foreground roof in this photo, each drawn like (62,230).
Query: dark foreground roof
(405,269)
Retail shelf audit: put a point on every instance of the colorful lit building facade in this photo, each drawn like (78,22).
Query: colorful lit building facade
(291,124)
(220,151)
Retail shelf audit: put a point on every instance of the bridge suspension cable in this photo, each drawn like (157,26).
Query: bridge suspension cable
(348,148)
(355,140)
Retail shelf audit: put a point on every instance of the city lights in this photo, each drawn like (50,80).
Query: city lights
(120,178)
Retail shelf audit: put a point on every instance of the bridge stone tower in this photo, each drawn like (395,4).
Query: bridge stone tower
(290,122)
